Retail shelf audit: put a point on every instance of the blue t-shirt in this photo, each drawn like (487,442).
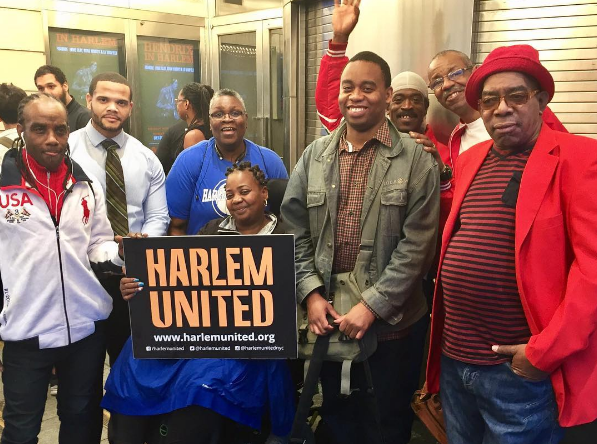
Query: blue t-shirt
(195,184)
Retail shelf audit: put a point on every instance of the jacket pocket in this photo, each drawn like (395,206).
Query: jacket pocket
(317,211)
(393,208)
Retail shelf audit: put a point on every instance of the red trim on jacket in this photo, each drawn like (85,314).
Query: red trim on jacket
(50,188)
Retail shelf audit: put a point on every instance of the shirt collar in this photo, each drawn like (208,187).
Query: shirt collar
(382,136)
(97,138)
(228,224)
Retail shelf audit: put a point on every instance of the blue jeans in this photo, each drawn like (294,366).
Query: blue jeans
(490,404)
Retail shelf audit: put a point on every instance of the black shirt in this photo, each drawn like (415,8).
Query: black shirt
(78,116)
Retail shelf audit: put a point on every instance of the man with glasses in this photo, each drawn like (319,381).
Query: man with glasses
(448,74)
(514,312)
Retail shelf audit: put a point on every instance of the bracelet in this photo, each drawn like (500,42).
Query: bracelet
(445,174)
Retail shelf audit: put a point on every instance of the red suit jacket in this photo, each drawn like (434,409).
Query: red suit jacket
(556,265)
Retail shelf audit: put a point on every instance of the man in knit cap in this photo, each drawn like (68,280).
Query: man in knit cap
(514,341)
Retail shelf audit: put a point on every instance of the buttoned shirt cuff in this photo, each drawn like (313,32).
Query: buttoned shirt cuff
(306,286)
(380,305)
(370,309)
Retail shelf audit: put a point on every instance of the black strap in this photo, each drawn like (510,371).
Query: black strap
(309,389)
(371,394)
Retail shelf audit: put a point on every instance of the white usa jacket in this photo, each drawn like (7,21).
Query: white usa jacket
(49,289)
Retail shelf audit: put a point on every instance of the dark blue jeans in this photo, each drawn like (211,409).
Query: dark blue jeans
(79,367)
(395,369)
(490,404)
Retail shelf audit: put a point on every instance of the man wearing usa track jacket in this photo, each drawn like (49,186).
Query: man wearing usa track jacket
(54,234)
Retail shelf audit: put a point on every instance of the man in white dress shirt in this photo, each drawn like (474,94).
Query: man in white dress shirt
(110,102)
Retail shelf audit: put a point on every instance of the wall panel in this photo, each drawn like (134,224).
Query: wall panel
(565,34)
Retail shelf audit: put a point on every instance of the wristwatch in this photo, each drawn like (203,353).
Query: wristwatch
(445,174)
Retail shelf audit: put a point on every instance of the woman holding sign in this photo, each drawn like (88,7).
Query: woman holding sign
(204,400)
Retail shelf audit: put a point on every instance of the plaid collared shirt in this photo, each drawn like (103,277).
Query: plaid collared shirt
(355,165)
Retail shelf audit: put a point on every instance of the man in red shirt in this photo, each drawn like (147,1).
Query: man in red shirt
(514,315)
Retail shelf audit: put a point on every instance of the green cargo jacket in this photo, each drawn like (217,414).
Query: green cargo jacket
(391,266)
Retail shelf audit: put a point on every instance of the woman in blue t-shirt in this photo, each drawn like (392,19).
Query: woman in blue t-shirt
(195,185)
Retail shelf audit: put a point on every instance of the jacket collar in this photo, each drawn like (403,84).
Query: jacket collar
(333,142)
(536,179)
(11,175)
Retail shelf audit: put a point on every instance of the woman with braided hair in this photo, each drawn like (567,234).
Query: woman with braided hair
(205,401)
(192,106)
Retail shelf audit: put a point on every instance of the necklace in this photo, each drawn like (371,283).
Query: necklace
(238,159)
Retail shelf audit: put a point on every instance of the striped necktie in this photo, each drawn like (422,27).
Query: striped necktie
(115,190)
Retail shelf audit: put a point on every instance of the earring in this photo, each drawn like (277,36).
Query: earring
(265,203)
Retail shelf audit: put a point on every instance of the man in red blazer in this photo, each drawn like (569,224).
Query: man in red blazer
(513,341)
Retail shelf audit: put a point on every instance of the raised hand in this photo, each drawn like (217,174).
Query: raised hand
(344,18)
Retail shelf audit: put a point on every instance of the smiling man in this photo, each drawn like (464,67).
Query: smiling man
(363,204)
(54,226)
(130,174)
(514,311)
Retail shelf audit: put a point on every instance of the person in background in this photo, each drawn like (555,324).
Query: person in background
(130,174)
(448,74)
(51,80)
(514,325)
(195,185)
(10,97)
(169,143)
(204,400)
(54,234)
(192,106)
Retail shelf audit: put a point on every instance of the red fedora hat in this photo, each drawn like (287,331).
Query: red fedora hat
(519,58)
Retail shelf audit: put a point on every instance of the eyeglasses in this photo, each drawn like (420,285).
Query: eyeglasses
(415,99)
(180,100)
(234,114)
(452,76)
(517,98)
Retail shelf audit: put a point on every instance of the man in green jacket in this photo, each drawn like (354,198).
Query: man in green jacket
(363,202)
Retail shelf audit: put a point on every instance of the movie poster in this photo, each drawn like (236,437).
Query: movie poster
(81,55)
(213,296)
(165,66)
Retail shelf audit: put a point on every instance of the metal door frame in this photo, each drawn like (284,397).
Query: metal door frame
(259,22)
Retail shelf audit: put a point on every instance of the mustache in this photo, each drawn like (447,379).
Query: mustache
(454,89)
(407,114)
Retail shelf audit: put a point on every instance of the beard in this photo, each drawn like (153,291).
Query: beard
(98,122)
(62,97)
